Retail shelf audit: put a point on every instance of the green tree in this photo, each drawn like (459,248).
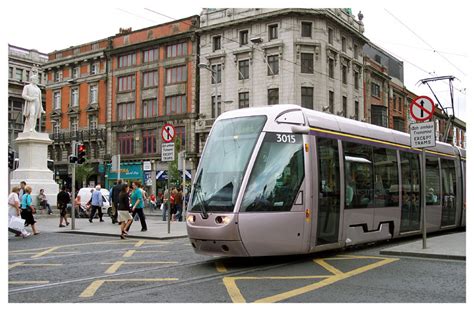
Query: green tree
(83,172)
(174,172)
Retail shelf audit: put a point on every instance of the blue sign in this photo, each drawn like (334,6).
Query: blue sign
(129,171)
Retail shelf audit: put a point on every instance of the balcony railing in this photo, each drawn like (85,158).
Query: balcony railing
(80,135)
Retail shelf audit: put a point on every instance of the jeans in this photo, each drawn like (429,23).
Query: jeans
(179,212)
(165,212)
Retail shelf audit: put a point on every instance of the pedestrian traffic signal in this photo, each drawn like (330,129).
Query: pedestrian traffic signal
(11,159)
(81,153)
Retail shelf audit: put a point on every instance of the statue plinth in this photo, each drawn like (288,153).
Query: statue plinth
(33,166)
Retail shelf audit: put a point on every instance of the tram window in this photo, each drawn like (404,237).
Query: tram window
(449,192)
(276,176)
(411,211)
(432,181)
(386,177)
(359,176)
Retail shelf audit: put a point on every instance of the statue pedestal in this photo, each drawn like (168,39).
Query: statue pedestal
(33,166)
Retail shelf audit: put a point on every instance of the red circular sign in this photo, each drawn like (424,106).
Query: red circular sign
(167,133)
(422,108)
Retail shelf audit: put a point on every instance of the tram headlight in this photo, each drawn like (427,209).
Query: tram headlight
(222,220)
(191,219)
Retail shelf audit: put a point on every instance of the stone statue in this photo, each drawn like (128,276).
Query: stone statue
(33,104)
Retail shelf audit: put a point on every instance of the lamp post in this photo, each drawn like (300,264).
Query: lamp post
(214,73)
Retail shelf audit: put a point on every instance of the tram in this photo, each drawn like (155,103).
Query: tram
(283,179)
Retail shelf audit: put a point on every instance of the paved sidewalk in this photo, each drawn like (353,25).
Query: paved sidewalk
(446,246)
(157,228)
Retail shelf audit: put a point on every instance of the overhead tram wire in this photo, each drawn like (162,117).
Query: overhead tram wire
(136,15)
(429,45)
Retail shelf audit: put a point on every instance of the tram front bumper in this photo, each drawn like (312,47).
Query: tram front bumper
(220,248)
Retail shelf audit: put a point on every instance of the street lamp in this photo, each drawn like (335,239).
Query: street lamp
(214,73)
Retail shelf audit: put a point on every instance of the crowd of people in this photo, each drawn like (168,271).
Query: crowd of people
(127,203)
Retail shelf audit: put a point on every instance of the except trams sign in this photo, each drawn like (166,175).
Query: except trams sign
(167,152)
(422,135)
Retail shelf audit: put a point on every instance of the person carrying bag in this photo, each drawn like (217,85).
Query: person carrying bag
(27,210)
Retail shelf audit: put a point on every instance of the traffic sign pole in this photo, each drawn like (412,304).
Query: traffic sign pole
(167,134)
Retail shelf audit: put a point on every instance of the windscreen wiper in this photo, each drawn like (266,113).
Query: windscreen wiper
(201,202)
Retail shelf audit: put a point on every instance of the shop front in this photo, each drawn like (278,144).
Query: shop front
(129,172)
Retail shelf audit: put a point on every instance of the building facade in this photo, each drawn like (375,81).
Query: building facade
(256,57)
(76,106)
(21,61)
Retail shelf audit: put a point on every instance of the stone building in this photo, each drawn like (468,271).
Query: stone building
(256,57)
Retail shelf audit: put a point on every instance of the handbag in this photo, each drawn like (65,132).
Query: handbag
(16,223)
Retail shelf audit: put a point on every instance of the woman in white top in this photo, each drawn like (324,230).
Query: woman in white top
(14,203)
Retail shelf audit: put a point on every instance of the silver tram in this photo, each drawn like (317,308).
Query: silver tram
(287,180)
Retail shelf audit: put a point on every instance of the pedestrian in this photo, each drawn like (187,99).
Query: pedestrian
(43,202)
(123,209)
(164,204)
(178,203)
(174,194)
(138,205)
(152,202)
(144,195)
(14,210)
(22,189)
(116,190)
(96,203)
(63,199)
(27,209)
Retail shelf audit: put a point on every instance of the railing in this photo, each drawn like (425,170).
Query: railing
(81,135)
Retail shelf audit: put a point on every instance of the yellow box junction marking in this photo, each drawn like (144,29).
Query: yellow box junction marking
(94,286)
(27,282)
(220,267)
(116,265)
(48,251)
(337,275)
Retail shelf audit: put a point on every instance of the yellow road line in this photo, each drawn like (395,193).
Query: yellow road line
(27,282)
(94,286)
(220,267)
(140,243)
(327,266)
(114,267)
(42,264)
(16,264)
(233,290)
(48,251)
(129,253)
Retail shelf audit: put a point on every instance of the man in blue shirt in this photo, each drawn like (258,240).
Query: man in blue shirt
(96,203)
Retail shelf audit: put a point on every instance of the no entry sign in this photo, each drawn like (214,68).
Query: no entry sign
(422,108)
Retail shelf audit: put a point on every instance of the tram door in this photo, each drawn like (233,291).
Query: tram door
(411,208)
(329,191)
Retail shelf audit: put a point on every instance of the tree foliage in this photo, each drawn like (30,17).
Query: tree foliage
(83,172)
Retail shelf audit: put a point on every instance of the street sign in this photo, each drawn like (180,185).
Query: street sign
(146,166)
(422,108)
(167,152)
(167,133)
(422,135)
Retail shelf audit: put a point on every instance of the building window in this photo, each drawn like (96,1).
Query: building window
(273,96)
(176,50)
(330,36)
(344,74)
(307,97)
(216,43)
(273,32)
(244,99)
(375,89)
(150,79)
(19,74)
(58,75)
(343,44)
(216,74)
(57,100)
(176,74)
(331,101)
(344,106)
(93,94)
(10,72)
(306,29)
(94,69)
(379,115)
(125,143)
(75,73)
(149,141)
(244,69)
(150,55)
(150,108)
(244,37)
(74,125)
(75,97)
(356,51)
(400,104)
(307,65)
(398,124)
(92,122)
(356,80)
(213,105)
(180,132)
(126,60)
(378,59)
(273,65)
(126,84)
(56,128)
(356,110)
(176,105)
(331,68)
(126,111)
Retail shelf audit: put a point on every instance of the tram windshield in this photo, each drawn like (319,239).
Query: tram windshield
(223,163)
(276,176)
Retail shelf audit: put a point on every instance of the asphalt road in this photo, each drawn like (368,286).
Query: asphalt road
(55,267)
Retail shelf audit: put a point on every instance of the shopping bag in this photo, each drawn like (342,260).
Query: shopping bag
(16,223)
(162,206)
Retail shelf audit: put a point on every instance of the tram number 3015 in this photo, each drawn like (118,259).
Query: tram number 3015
(285,138)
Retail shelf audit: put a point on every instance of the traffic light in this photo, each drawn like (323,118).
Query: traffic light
(11,159)
(81,153)
(72,159)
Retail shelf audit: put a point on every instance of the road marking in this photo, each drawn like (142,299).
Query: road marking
(23,264)
(220,267)
(48,251)
(94,286)
(337,275)
(16,264)
(140,243)
(116,265)
(27,282)
(129,253)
